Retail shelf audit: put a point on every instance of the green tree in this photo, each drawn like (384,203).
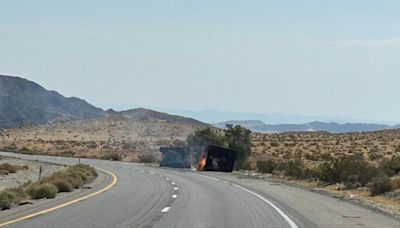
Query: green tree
(206,137)
(233,137)
(238,138)
(202,138)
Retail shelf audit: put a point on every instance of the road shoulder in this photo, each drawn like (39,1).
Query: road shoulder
(104,181)
(322,209)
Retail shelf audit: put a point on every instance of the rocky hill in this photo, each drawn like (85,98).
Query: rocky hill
(100,137)
(35,120)
(332,127)
(142,114)
(25,102)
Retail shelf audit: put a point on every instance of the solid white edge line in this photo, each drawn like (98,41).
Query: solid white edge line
(287,219)
(280,212)
(165,209)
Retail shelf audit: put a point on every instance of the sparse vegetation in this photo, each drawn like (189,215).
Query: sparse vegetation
(63,181)
(391,167)
(113,137)
(147,158)
(41,191)
(112,157)
(351,170)
(380,184)
(62,185)
(6,168)
(266,166)
(7,198)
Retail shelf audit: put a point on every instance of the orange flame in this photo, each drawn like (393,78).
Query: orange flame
(202,163)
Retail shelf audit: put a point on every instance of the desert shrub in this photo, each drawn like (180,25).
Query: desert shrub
(7,198)
(147,158)
(62,185)
(75,180)
(350,170)
(293,168)
(112,157)
(91,145)
(391,167)
(76,175)
(274,144)
(85,171)
(247,165)
(30,189)
(41,191)
(4,172)
(19,192)
(326,157)
(266,166)
(25,150)
(374,154)
(311,157)
(63,181)
(10,168)
(380,184)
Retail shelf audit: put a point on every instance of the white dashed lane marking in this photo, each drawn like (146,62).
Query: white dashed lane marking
(174,196)
(176,188)
(165,209)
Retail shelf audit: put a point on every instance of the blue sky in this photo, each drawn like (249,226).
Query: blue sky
(316,58)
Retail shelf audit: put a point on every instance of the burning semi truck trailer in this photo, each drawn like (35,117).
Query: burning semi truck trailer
(176,157)
(217,159)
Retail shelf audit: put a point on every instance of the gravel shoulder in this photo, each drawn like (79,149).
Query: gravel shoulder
(23,176)
(323,209)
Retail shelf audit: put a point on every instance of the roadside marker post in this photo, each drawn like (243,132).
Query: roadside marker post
(40,172)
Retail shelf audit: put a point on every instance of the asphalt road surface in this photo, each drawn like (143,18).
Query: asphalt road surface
(155,197)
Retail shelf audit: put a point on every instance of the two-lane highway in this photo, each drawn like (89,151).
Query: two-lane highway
(154,197)
(150,197)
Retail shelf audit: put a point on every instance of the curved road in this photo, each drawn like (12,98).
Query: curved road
(154,197)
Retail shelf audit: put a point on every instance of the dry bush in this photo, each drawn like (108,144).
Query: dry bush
(7,198)
(41,191)
(10,168)
(147,158)
(380,184)
(266,166)
(62,185)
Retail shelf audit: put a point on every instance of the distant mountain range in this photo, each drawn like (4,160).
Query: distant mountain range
(216,116)
(332,127)
(25,102)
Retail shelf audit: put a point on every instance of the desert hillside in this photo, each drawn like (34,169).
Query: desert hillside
(26,102)
(122,135)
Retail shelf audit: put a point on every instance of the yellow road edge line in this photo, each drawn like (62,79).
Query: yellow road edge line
(114,181)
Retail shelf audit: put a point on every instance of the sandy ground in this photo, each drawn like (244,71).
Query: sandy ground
(22,176)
